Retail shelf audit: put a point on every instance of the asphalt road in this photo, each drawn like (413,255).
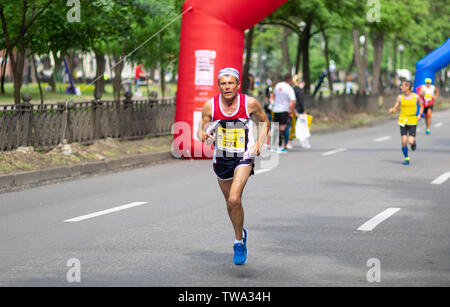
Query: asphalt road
(310,220)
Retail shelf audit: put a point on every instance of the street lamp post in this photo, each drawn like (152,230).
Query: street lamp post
(302,26)
(362,40)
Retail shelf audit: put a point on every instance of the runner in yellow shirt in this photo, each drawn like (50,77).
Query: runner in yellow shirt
(408,119)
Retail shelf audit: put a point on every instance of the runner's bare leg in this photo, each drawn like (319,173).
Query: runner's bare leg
(404,140)
(428,119)
(232,191)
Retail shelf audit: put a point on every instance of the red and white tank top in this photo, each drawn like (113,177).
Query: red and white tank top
(233,131)
(429,93)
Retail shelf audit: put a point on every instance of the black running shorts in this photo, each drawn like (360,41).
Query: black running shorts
(226,171)
(425,110)
(281,118)
(408,129)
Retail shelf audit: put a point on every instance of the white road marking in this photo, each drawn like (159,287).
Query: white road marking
(332,152)
(373,222)
(383,138)
(263,170)
(108,211)
(442,178)
(437,125)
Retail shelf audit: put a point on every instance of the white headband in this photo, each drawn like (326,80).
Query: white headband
(229,71)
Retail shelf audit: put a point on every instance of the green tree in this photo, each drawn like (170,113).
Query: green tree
(306,19)
(156,40)
(17,34)
(53,34)
(428,29)
(396,16)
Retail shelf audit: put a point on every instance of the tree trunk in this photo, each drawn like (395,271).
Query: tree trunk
(299,53)
(327,61)
(17,67)
(162,79)
(305,52)
(259,64)
(378,40)
(359,62)
(117,82)
(83,71)
(306,70)
(395,62)
(56,70)
(37,78)
(248,60)
(366,58)
(17,64)
(286,60)
(114,59)
(152,73)
(71,62)
(4,64)
(350,66)
(17,87)
(100,80)
(162,68)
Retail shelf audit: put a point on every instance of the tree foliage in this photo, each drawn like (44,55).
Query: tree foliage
(121,29)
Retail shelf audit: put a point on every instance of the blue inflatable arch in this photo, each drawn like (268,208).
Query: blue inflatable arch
(430,64)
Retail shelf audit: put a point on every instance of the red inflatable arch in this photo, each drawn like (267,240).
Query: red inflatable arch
(212,38)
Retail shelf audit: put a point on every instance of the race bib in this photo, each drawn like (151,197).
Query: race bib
(231,139)
(402,120)
(428,97)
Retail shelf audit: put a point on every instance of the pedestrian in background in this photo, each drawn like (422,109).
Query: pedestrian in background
(283,108)
(299,84)
(139,75)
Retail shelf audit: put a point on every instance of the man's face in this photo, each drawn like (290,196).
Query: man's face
(229,86)
(404,87)
(428,84)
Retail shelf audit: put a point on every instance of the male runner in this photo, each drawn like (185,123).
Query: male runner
(225,122)
(408,119)
(429,93)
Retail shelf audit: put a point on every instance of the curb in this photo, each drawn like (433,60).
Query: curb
(62,172)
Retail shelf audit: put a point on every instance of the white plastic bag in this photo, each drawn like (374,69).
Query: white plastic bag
(301,129)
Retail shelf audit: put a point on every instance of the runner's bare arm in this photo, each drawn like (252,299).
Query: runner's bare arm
(422,92)
(436,94)
(206,119)
(256,111)
(419,101)
(397,104)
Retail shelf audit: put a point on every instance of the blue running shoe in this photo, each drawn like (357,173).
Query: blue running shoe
(427,131)
(240,254)
(406,162)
